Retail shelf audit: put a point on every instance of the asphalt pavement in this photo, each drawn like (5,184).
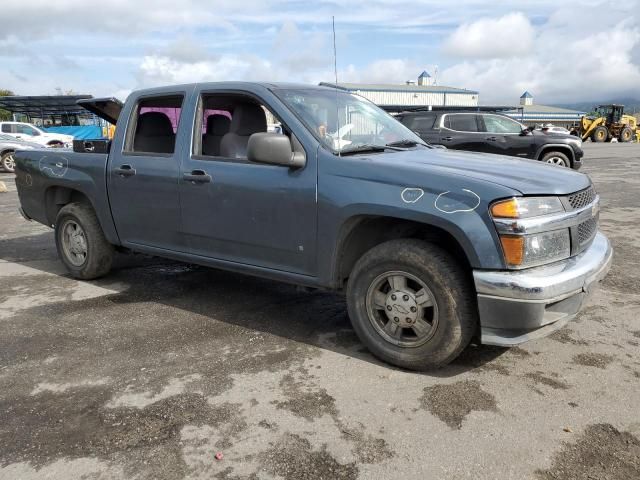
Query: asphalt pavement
(152,371)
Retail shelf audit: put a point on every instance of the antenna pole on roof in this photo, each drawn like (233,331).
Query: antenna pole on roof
(335,71)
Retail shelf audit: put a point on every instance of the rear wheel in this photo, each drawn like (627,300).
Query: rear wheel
(557,158)
(81,244)
(8,162)
(625,135)
(411,304)
(600,134)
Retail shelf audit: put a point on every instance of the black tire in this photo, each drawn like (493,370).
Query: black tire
(7,162)
(99,252)
(451,289)
(626,135)
(556,158)
(600,134)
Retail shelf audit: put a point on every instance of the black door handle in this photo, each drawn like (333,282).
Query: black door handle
(125,171)
(491,139)
(197,176)
(447,139)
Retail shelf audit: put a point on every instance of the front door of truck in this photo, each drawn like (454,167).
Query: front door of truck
(242,212)
(143,174)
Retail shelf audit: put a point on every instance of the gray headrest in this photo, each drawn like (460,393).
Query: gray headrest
(248,118)
(218,124)
(154,124)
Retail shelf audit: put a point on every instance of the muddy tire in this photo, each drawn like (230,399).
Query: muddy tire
(412,304)
(81,244)
(7,162)
(558,159)
(600,134)
(626,135)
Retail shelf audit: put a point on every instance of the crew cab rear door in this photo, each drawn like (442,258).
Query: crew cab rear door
(143,171)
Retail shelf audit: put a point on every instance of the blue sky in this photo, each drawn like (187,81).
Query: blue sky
(557,51)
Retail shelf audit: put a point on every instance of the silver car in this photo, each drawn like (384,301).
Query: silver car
(8,146)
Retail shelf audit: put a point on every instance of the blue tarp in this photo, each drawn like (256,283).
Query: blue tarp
(80,133)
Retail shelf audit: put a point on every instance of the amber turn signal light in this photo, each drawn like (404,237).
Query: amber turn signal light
(505,209)
(513,248)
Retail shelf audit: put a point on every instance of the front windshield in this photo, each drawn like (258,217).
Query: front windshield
(346,122)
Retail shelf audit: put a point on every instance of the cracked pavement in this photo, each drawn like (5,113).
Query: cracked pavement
(152,370)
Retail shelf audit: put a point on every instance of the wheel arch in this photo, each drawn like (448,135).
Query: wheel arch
(361,233)
(556,147)
(57,196)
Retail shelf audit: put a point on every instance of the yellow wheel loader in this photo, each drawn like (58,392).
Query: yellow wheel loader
(608,122)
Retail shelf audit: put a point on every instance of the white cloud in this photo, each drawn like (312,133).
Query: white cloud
(507,36)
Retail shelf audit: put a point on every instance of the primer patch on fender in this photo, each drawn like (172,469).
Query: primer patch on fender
(54,165)
(455,202)
(411,195)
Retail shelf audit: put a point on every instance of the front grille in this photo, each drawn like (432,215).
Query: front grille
(582,198)
(587,230)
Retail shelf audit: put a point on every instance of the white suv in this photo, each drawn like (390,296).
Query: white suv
(26,131)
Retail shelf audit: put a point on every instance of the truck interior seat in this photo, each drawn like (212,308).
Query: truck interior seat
(217,127)
(248,118)
(154,133)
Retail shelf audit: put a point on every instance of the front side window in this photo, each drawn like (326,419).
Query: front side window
(227,121)
(461,122)
(497,124)
(26,130)
(343,121)
(155,124)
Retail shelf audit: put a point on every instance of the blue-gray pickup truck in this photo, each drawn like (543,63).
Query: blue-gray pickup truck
(320,188)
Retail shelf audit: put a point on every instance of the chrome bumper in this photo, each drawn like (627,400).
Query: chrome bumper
(517,306)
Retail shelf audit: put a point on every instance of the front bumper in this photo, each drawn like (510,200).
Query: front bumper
(518,306)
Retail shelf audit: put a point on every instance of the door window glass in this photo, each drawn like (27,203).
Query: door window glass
(6,127)
(461,122)
(422,123)
(497,124)
(155,125)
(227,121)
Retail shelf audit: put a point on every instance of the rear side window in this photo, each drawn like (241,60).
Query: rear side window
(461,122)
(421,123)
(6,128)
(154,125)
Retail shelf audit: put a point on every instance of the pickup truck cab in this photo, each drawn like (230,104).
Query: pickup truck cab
(432,247)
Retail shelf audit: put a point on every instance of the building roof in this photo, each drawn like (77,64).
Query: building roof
(424,74)
(43,105)
(382,87)
(526,95)
(544,112)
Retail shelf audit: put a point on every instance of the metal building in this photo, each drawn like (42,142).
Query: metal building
(531,113)
(423,93)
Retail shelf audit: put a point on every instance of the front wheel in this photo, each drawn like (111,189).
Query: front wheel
(412,304)
(557,158)
(8,162)
(80,242)
(625,135)
(600,134)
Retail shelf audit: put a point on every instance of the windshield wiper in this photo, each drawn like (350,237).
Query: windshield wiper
(370,148)
(405,143)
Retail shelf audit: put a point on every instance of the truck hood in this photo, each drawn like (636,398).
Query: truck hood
(529,177)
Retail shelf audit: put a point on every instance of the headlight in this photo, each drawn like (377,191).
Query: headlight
(531,249)
(526,207)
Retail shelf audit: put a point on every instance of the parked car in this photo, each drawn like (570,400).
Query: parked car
(550,128)
(31,133)
(494,133)
(8,146)
(432,247)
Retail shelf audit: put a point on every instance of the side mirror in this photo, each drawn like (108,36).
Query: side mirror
(274,149)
